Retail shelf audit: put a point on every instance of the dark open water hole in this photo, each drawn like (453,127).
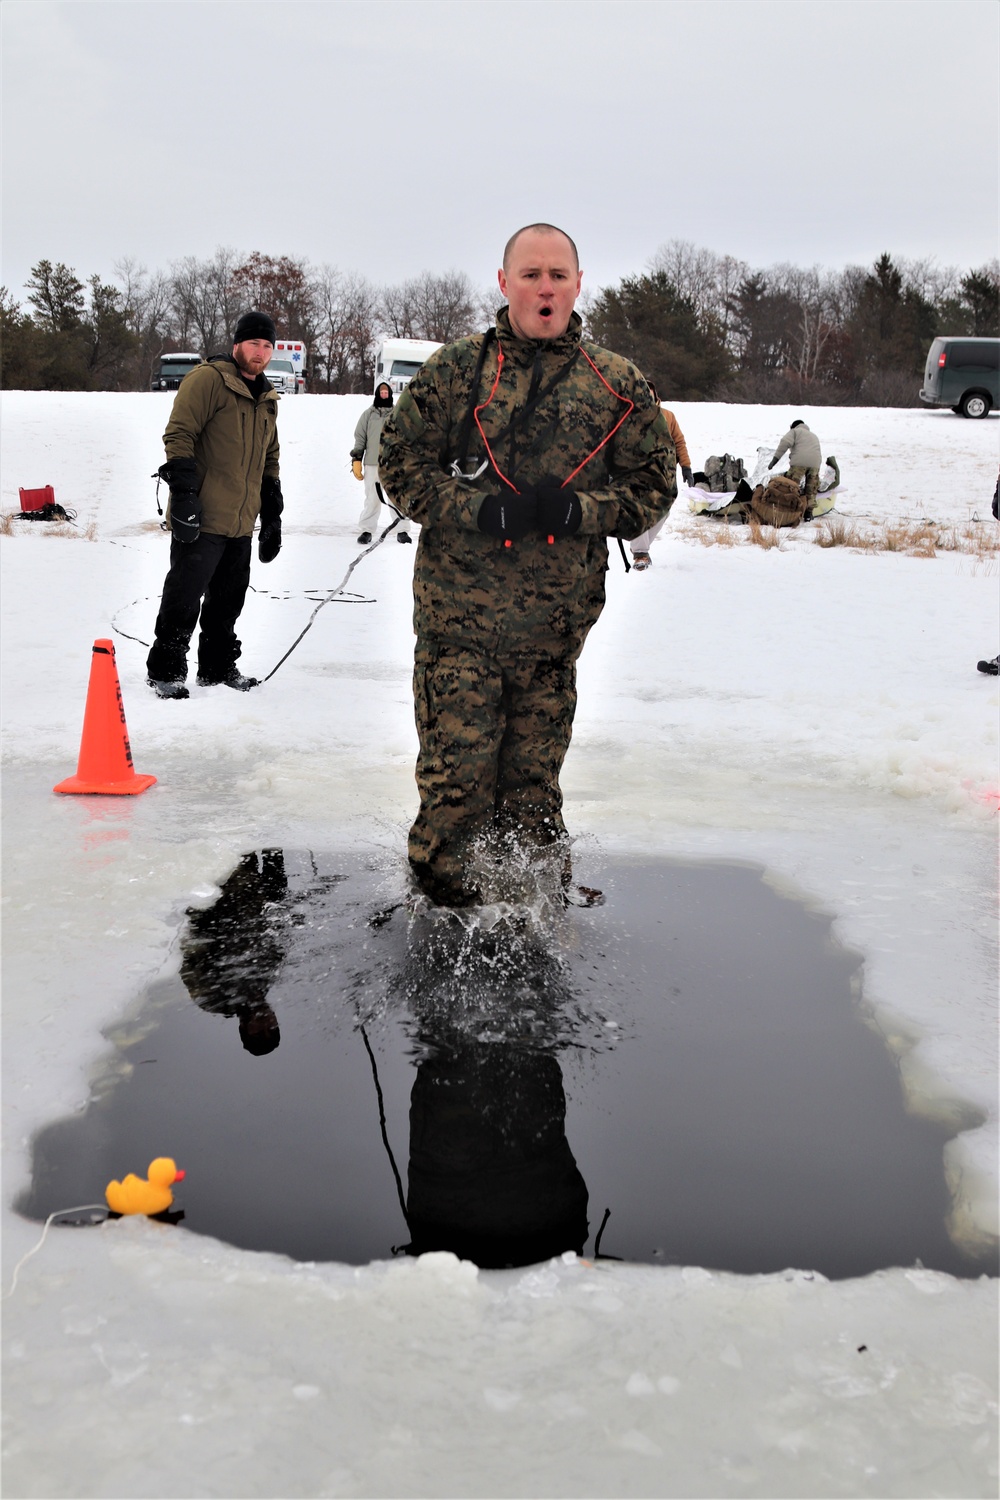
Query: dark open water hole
(682,1076)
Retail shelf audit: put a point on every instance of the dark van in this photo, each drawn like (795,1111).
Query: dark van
(963,374)
(172,369)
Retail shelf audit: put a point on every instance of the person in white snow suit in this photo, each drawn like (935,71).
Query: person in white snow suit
(804,458)
(364,464)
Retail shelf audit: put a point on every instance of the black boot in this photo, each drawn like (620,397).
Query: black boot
(175,689)
(232,679)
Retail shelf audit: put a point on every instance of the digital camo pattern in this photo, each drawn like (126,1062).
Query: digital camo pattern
(531,596)
(493,738)
(798,472)
(499,627)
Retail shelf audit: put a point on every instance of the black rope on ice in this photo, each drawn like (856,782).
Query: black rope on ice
(327,599)
(333,594)
(382,1126)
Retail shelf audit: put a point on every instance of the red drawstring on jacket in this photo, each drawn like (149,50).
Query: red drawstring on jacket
(626,401)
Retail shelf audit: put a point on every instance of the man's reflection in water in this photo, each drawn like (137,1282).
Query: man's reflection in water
(233,949)
(491,1174)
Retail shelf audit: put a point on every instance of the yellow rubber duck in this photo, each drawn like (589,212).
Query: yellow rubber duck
(145,1195)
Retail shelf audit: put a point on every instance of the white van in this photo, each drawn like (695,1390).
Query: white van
(398,360)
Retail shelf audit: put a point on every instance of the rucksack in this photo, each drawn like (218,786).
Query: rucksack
(778,503)
(723,474)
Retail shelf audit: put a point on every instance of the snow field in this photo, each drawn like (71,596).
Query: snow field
(814,711)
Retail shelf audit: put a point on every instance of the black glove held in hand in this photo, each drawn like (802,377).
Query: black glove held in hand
(271,506)
(559,511)
(185,507)
(685,474)
(269,544)
(271,502)
(509,515)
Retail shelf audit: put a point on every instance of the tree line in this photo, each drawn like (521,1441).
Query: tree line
(702,326)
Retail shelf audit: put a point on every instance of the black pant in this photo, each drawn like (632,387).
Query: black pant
(215,569)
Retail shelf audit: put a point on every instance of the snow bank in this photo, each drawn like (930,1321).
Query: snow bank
(815,711)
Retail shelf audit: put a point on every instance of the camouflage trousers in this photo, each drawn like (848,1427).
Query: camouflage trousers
(493,737)
(798,472)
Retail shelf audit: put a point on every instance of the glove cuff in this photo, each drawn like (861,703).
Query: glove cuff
(181,474)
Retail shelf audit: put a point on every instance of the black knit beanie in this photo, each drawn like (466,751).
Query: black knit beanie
(254,325)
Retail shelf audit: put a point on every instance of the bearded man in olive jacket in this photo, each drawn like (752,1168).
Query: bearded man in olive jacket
(519,452)
(222,469)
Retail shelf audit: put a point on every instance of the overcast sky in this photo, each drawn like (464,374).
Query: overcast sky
(395,136)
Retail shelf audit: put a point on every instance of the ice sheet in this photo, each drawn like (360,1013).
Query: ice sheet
(815,711)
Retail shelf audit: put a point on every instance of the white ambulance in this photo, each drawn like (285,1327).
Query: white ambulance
(287,370)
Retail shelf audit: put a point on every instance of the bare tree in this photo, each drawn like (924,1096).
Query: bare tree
(348,317)
(147,315)
(204,300)
(282,287)
(396,311)
(442,308)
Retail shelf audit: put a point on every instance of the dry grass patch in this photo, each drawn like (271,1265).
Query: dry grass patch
(55,527)
(840,533)
(912,538)
(919,540)
(719,534)
(763,536)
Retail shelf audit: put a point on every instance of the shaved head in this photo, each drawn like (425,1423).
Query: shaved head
(538,229)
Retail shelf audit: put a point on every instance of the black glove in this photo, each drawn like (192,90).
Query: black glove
(772,463)
(269,544)
(271,506)
(509,515)
(685,474)
(559,510)
(185,508)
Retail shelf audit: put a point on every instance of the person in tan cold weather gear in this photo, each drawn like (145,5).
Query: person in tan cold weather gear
(519,451)
(640,545)
(222,453)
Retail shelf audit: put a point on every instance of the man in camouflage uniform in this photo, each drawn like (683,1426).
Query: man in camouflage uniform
(518,453)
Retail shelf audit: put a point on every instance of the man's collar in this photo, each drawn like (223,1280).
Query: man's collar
(566,343)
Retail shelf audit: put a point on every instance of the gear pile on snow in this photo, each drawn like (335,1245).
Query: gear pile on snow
(768,498)
(721,476)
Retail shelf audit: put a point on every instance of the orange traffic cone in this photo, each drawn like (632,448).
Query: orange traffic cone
(105,763)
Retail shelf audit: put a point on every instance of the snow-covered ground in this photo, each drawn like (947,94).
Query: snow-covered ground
(814,710)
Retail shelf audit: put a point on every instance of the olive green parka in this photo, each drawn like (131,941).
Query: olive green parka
(548,410)
(233,439)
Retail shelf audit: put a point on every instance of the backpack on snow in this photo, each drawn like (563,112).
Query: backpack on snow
(723,474)
(778,503)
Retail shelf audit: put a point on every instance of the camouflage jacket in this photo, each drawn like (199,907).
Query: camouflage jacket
(532,597)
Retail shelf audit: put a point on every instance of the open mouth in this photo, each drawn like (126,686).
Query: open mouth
(545,312)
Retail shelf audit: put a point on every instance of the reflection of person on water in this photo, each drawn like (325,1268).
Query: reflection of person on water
(491,1175)
(233,948)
